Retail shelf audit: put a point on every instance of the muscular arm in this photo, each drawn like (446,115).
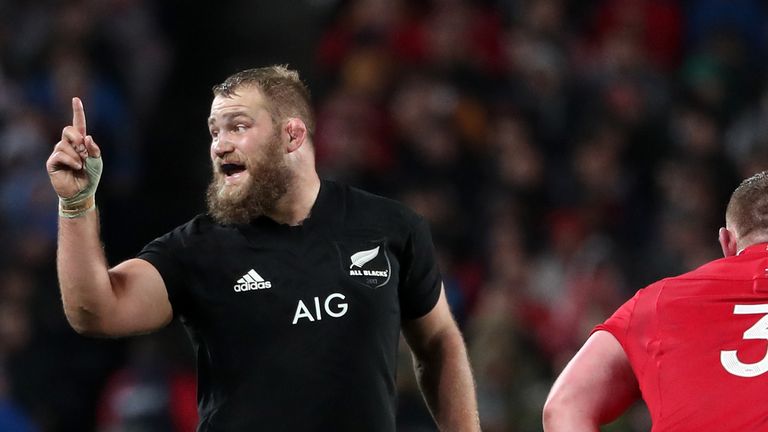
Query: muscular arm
(442,368)
(594,388)
(130,298)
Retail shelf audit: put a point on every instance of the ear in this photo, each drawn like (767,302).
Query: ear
(727,241)
(296,132)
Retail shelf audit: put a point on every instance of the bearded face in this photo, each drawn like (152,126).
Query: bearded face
(268,180)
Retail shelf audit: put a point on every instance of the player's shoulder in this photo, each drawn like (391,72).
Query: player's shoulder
(728,268)
(703,272)
(199,224)
(364,205)
(191,231)
(712,274)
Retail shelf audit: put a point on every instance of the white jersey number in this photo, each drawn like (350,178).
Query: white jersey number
(730,361)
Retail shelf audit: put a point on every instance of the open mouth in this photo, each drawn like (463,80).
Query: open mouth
(232,169)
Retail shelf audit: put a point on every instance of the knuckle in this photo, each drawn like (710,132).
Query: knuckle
(69,133)
(56,157)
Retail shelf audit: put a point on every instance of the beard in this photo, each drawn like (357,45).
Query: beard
(268,181)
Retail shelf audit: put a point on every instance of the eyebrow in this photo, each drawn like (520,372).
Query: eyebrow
(228,116)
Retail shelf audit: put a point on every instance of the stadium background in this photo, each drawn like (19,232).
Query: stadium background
(565,153)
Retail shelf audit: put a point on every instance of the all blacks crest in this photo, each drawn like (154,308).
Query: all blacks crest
(366,262)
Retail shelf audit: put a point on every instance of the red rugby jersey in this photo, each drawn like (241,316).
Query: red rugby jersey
(698,344)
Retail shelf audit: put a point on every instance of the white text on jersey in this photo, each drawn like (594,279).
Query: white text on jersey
(252,281)
(302,312)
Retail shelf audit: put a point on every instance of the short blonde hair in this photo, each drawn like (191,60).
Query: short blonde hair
(286,95)
(747,210)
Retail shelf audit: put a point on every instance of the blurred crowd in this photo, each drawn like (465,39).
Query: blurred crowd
(565,153)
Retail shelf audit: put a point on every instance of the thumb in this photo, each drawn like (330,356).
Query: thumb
(93,150)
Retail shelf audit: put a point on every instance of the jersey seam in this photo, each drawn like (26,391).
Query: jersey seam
(657,389)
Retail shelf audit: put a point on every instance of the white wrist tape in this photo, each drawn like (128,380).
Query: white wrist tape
(83,201)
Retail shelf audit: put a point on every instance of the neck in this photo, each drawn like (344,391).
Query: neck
(751,239)
(296,205)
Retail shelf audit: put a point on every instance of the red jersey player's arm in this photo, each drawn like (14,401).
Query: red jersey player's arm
(595,387)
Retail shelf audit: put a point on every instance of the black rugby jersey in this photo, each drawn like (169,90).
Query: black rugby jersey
(296,328)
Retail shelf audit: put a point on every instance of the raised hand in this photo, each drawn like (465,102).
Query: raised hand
(74,167)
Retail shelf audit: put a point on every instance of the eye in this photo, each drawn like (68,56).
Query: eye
(240,128)
(214,133)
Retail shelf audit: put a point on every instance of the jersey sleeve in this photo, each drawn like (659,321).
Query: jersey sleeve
(421,281)
(618,323)
(162,253)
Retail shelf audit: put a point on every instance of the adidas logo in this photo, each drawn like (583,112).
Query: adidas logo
(252,281)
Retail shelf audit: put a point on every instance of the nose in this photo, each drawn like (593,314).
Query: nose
(222,146)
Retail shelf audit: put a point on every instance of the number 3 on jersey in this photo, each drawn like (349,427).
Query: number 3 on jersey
(730,361)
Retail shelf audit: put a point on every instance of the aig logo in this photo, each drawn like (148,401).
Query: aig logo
(332,305)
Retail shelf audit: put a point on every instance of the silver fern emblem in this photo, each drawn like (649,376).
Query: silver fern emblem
(359,259)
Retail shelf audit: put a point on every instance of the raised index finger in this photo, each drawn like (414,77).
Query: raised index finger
(78,115)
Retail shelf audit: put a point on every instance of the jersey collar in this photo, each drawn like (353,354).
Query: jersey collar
(323,206)
(755,248)
(321,210)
